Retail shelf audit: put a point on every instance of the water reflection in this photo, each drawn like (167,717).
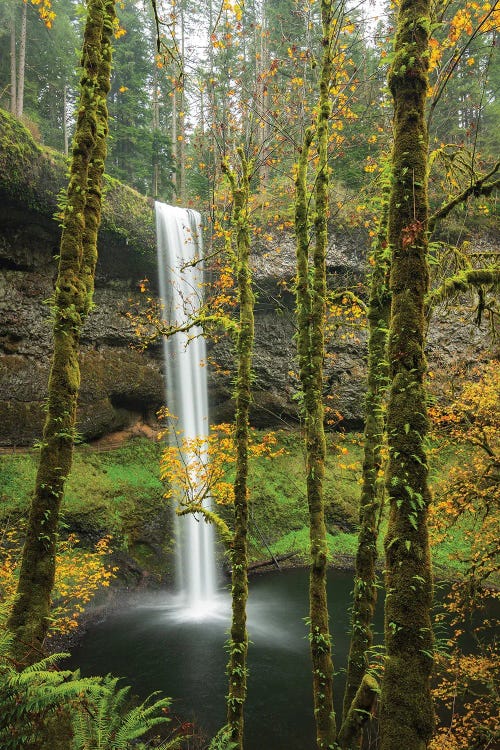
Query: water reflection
(158,645)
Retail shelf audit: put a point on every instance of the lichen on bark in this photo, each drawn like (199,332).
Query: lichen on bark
(29,618)
(310,306)
(238,643)
(372,492)
(406,714)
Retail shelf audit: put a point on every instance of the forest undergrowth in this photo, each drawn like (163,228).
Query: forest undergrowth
(116,493)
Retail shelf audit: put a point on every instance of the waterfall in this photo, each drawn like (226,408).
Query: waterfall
(179,241)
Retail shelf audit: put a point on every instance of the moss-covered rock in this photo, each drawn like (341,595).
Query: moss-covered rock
(119,384)
(34,177)
(128,384)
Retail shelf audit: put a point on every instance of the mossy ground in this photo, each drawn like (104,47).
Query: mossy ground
(103,485)
(116,492)
(278,497)
(120,492)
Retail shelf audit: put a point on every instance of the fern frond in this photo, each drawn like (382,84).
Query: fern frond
(142,718)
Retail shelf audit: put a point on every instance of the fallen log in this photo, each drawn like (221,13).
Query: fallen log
(272,561)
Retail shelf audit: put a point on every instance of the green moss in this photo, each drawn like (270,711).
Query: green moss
(310,312)
(27,172)
(406,716)
(372,494)
(29,617)
(117,492)
(34,177)
(130,216)
(238,644)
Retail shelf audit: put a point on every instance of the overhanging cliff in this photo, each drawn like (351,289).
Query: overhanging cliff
(122,386)
(119,384)
(33,178)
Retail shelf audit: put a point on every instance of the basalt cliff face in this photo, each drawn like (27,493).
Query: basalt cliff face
(118,383)
(121,386)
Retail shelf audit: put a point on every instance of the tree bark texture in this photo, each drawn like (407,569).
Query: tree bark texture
(372,493)
(13,64)
(29,619)
(310,304)
(22,62)
(238,646)
(406,716)
(360,710)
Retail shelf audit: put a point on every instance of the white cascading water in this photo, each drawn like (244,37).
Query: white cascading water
(178,232)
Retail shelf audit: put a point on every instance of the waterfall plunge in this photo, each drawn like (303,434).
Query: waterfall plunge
(178,232)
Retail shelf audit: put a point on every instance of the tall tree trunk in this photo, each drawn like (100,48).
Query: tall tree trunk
(237,669)
(155,177)
(93,203)
(262,96)
(181,143)
(365,578)
(406,718)
(173,136)
(13,64)
(311,297)
(29,619)
(65,120)
(22,63)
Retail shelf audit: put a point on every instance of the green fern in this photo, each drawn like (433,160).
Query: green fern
(104,723)
(222,740)
(99,711)
(28,698)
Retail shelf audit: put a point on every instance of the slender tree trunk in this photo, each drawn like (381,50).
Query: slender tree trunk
(155,178)
(93,203)
(262,103)
(65,120)
(406,717)
(311,297)
(13,64)
(181,144)
(202,113)
(22,63)
(365,579)
(173,136)
(29,619)
(237,669)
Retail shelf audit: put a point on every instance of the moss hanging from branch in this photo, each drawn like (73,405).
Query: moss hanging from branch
(462,282)
(29,619)
(238,644)
(406,716)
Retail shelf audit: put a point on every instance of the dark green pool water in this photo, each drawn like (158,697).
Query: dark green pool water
(153,647)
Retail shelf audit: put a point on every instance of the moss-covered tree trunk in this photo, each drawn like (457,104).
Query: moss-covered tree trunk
(238,645)
(406,716)
(29,619)
(93,202)
(310,301)
(372,493)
